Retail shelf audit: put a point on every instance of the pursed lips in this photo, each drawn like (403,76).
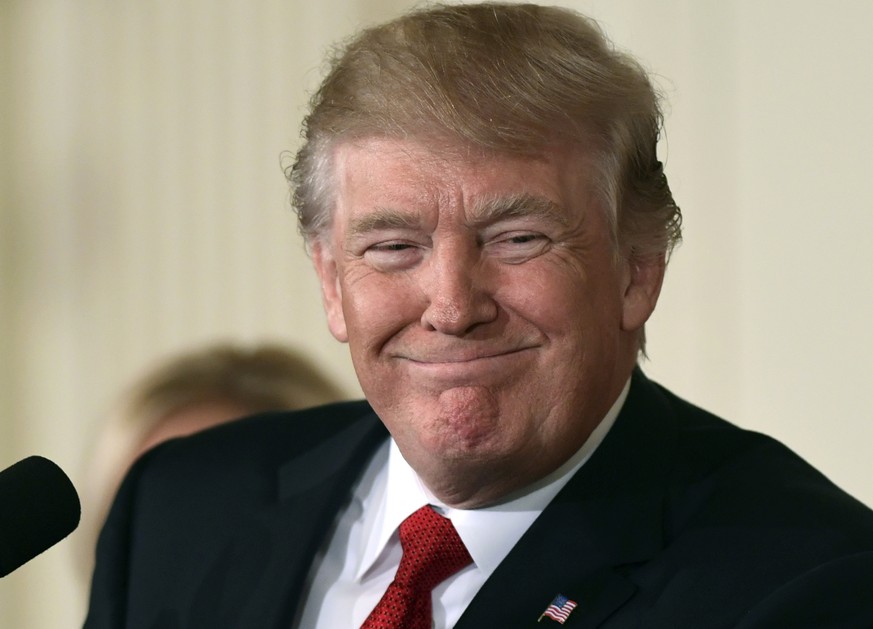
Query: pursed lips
(438,371)
(459,356)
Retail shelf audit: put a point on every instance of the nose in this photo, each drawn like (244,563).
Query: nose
(458,290)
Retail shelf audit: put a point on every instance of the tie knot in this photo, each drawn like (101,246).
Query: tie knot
(432,552)
(432,549)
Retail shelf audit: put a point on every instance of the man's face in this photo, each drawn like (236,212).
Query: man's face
(488,321)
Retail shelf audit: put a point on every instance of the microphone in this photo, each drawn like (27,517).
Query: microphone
(38,508)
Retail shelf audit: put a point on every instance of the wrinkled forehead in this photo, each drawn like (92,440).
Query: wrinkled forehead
(390,167)
(433,153)
(392,175)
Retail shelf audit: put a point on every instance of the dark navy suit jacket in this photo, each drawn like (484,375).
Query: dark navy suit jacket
(679,520)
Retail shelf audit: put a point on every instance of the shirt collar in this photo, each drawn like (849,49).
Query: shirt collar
(488,533)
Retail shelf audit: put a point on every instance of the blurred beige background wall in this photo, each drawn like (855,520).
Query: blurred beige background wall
(143,210)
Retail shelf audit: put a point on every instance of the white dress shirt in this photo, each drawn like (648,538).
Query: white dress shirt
(352,572)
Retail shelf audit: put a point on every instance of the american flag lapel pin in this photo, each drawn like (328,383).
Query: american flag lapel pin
(559,609)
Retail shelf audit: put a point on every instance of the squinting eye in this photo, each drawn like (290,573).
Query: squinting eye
(392,256)
(519,247)
(524,238)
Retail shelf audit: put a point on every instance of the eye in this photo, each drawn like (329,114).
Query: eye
(391,246)
(518,247)
(393,255)
(523,238)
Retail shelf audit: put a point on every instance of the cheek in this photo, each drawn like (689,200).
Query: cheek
(554,297)
(591,293)
(376,308)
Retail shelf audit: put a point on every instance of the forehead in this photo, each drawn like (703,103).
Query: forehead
(406,176)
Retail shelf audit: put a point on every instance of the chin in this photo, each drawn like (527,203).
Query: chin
(470,445)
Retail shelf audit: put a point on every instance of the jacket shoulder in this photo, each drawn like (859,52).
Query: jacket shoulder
(754,473)
(184,501)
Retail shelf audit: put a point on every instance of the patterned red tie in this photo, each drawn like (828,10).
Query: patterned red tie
(432,552)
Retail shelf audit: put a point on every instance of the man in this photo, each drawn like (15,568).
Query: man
(480,192)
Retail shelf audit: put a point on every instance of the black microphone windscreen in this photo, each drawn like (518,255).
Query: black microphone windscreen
(38,508)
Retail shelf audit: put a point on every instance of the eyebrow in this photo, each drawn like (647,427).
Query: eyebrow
(384,218)
(486,212)
(517,206)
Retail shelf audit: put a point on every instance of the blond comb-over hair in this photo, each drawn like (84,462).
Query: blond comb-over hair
(510,78)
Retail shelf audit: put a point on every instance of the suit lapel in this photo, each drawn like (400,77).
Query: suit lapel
(259,577)
(607,517)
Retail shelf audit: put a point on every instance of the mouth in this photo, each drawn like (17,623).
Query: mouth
(444,370)
(463,356)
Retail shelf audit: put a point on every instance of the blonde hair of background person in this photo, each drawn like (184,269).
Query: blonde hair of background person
(189,392)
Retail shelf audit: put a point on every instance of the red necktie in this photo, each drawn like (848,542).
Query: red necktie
(432,552)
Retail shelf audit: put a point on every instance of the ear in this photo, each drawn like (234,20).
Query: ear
(331,291)
(642,288)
